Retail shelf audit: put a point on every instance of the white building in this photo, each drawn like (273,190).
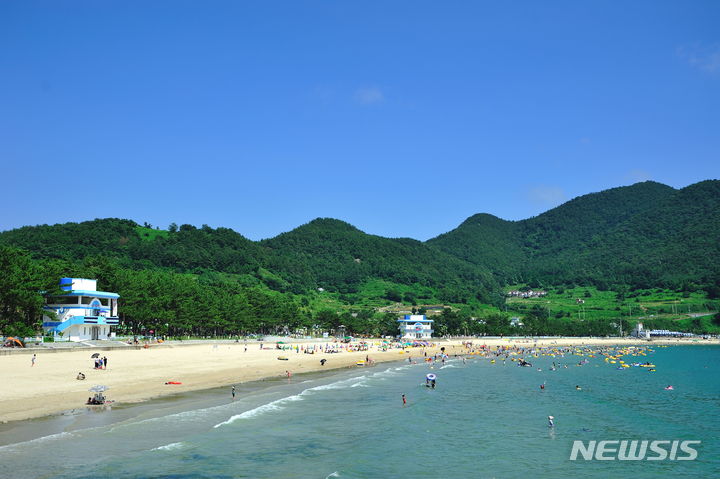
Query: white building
(639,332)
(83,312)
(415,326)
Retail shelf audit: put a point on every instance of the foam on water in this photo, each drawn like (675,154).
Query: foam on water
(277,405)
(271,406)
(39,440)
(449,366)
(170,447)
(361,385)
(342,384)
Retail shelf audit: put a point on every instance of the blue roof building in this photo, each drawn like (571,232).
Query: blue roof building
(83,312)
(415,326)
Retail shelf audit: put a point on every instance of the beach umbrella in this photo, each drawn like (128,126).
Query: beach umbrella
(95,355)
(98,389)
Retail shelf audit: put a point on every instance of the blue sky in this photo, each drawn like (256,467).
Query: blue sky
(402,118)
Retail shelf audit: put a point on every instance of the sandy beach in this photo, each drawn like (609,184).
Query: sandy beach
(138,374)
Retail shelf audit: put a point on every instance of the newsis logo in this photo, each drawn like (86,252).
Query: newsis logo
(634,450)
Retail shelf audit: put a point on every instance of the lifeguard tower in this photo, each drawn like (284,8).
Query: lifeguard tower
(415,326)
(83,312)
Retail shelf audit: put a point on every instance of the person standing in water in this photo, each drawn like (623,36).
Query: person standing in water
(551,421)
(404,400)
(233,392)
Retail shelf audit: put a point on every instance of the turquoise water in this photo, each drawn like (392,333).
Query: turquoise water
(482,420)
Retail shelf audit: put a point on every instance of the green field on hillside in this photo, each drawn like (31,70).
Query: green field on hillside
(651,306)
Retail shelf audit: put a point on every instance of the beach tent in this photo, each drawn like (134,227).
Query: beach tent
(11,342)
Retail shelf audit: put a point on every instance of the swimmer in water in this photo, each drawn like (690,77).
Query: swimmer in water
(669,388)
(578,388)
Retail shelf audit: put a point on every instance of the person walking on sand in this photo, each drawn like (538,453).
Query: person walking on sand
(104,360)
(32,360)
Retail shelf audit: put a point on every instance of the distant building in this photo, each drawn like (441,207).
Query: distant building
(83,312)
(639,332)
(415,326)
(527,294)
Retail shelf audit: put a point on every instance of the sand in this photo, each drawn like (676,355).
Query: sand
(133,375)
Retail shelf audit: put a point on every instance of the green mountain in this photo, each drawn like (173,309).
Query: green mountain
(334,255)
(324,253)
(643,235)
(214,281)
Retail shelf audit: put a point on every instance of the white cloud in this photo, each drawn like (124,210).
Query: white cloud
(702,57)
(546,195)
(369,96)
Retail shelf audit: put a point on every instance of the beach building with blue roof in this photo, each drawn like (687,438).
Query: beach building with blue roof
(415,326)
(82,312)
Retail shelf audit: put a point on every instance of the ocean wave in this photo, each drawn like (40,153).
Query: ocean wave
(336,385)
(192,414)
(271,406)
(38,440)
(170,447)
(362,384)
(389,372)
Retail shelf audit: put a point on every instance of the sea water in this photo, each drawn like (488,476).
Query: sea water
(482,420)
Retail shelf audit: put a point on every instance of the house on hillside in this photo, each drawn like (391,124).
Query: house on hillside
(415,326)
(83,313)
(527,294)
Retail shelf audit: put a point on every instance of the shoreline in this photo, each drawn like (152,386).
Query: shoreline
(137,375)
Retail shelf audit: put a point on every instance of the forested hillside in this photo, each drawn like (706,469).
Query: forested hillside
(215,281)
(641,236)
(207,281)
(338,256)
